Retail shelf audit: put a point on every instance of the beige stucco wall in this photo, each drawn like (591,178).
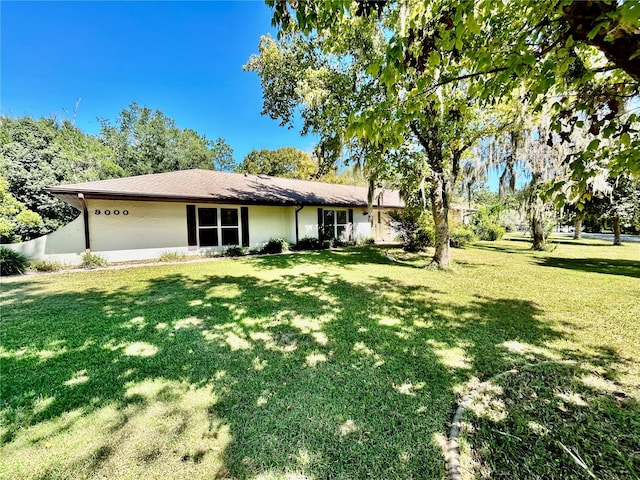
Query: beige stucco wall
(65,245)
(152,228)
(361,224)
(307,223)
(382,231)
(266,223)
(138,230)
(145,225)
(135,230)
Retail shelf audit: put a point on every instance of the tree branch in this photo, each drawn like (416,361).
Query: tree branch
(616,42)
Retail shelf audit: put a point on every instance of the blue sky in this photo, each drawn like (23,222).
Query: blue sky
(184,58)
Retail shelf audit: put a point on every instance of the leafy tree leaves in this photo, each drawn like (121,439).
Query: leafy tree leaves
(39,153)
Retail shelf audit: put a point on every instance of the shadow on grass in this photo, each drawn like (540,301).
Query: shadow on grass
(491,247)
(576,423)
(609,266)
(349,258)
(584,242)
(305,373)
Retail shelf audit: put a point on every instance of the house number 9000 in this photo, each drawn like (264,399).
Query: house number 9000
(109,212)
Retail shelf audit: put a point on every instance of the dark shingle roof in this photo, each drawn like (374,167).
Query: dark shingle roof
(221,187)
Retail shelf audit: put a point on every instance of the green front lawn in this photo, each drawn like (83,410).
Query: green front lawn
(334,364)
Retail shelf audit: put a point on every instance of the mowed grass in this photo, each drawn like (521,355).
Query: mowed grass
(333,364)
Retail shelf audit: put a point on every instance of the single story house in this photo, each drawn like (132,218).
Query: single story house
(206,211)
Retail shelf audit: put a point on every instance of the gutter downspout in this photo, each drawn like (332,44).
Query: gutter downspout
(297,236)
(85,217)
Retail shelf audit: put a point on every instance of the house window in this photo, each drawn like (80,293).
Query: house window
(213,233)
(208,227)
(229,221)
(335,224)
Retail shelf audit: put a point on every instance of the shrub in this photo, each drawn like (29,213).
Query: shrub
(485,226)
(45,265)
(235,251)
(92,260)
(12,262)
(494,232)
(275,245)
(337,243)
(461,237)
(172,257)
(415,228)
(308,243)
(367,241)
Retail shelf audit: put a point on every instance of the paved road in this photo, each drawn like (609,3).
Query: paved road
(604,236)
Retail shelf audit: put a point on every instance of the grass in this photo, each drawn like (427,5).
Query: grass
(331,364)
(172,256)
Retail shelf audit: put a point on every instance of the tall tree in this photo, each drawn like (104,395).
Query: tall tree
(287,162)
(32,158)
(618,203)
(488,49)
(15,218)
(399,99)
(146,141)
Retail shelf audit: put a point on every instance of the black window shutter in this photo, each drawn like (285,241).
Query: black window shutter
(192,237)
(351,226)
(320,223)
(244,220)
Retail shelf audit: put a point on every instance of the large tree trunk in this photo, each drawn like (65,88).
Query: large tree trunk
(537,212)
(616,230)
(577,226)
(537,232)
(440,208)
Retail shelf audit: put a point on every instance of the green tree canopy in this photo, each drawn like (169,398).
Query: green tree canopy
(146,141)
(39,153)
(406,126)
(31,158)
(287,162)
(439,61)
(14,216)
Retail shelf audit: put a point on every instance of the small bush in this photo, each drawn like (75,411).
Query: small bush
(307,243)
(310,243)
(172,257)
(337,243)
(276,245)
(45,265)
(461,237)
(92,260)
(489,231)
(414,227)
(367,241)
(235,251)
(12,262)
(485,226)
(494,232)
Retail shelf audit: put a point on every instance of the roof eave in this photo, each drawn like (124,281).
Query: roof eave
(71,197)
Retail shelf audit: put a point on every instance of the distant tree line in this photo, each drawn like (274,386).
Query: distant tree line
(290,162)
(35,153)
